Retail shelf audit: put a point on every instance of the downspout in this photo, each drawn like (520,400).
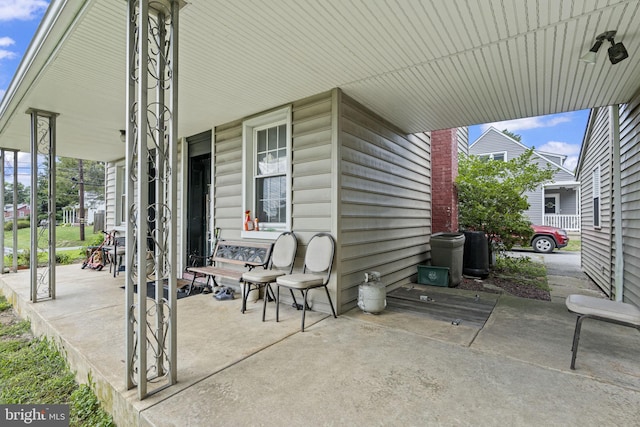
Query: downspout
(336,193)
(618,269)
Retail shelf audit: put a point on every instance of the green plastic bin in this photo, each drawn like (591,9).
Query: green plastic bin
(430,275)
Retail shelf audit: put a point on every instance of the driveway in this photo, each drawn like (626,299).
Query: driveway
(558,262)
(563,272)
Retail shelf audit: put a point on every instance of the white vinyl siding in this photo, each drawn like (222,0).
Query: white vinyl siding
(115,204)
(462,135)
(630,193)
(353,175)
(110,196)
(121,196)
(596,253)
(385,197)
(312,205)
(568,201)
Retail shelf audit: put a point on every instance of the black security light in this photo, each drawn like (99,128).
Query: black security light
(617,51)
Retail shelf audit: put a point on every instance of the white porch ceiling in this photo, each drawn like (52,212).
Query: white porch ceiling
(423,65)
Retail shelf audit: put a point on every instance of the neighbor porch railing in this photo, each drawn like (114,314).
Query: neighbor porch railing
(568,222)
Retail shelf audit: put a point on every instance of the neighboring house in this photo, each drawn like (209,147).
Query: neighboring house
(93,204)
(556,203)
(23,209)
(609,164)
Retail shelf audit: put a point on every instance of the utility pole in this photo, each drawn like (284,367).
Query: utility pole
(81,190)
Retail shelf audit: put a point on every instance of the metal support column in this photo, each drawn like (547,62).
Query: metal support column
(151,137)
(4,153)
(15,209)
(2,160)
(43,143)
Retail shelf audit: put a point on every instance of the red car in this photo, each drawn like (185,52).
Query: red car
(546,238)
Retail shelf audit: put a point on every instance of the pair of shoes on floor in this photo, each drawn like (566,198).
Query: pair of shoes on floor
(223,293)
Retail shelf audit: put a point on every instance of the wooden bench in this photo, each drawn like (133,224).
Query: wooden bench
(245,253)
(620,313)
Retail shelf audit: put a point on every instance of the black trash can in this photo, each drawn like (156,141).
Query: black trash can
(447,251)
(476,254)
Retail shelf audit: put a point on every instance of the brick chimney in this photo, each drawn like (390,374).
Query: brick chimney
(444,169)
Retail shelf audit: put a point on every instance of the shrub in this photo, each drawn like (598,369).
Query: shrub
(24,257)
(524,269)
(63,258)
(22,223)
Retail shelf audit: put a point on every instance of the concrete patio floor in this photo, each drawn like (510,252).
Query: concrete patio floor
(359,369)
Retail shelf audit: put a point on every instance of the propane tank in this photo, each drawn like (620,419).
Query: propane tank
(372,294)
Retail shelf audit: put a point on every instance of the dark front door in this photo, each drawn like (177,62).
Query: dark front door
(198,203)
(551,205)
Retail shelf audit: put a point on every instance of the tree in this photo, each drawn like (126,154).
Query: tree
(491,196)
(512,135)
(67,191)
(24,194)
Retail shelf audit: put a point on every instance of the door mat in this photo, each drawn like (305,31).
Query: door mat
(151,291)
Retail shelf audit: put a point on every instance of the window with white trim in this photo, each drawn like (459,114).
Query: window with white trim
(501,156)
(121,195)
(596,196)
(267,172)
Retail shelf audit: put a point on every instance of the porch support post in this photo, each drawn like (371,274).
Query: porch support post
(43,143)
(4,154)
(151,136)
(15,209)
(2,158)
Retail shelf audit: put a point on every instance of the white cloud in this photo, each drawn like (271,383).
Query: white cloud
(2,91)
(571,163)
(528,123)
(572,151)
(7,54)
(21,9)
(559,147)
(6,41)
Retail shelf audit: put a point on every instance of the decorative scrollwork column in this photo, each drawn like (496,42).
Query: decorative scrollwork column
(43,231)
(151,136)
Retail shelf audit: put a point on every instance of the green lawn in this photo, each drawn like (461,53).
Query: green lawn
(573,246)
(65,237)
(35,371)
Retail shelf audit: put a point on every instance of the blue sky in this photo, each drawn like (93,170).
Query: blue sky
(19,20)
(555,133)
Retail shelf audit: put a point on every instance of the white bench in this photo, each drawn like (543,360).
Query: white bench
(620,313)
